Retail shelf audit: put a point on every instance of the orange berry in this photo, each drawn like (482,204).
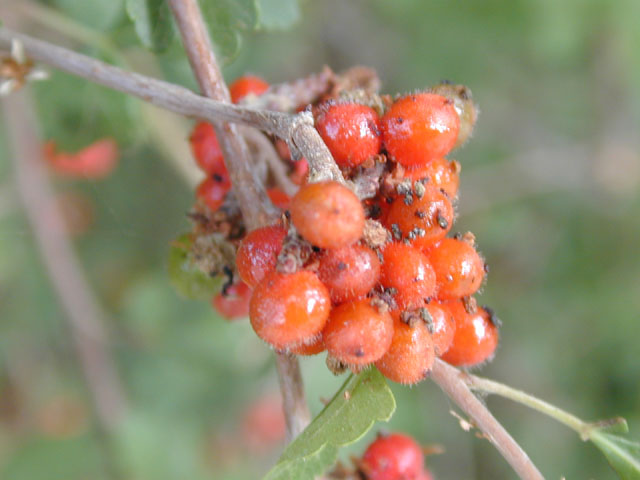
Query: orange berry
(459,268)
(327,214)
(440,173)
(279,198)
(258,253)
(247,85)
(206,149)
(233,303)
(411,354)
(351,132)
(475,339)
(358,333)
(317,346)
(423,221)
(442,327)
(213,190)
(349,272)
(419,128)
(287,310)
(408,271)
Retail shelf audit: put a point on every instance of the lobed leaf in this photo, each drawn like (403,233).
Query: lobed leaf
(361,401)
(153,23)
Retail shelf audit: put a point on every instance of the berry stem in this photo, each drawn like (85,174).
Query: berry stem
(484,385)
(257,209)
(85,318)
(296,129)
(453,382)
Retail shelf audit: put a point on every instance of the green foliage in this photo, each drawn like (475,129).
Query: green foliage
(623,454)
(226,21)
(363,399)
(278,14)
(185,276)
(153,23)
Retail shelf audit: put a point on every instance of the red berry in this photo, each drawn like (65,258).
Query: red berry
(392,457)
(258,253)
(408,271)
(95,161)
(349,272)
(351,132)
(213,190)
(247,85)
(475,339)
(419,128)
(300,171)
(233,303)
(423,220)
(287,310)
(206,149)
(440,173)
(279,198)
(358,333)
(463,103)
(411,354)
(459,268)
(442,327)
(317,346)
(327,214)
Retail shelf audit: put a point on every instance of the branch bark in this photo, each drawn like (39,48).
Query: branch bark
(453,383)
(257,209)
(85,318)
(297,130)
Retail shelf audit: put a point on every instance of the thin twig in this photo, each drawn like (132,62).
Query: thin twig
(255,205)
(297,130)
(85,318)
(452,382)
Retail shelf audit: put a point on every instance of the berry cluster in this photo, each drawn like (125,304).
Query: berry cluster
(372,278)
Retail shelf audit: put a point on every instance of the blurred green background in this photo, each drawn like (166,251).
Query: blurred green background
(550,187)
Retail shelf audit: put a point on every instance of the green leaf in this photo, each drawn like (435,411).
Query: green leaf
(226,20)
(362,400)
(184,274)
(153,24)
(623,455)
(278,14)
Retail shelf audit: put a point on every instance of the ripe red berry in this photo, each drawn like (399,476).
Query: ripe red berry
(358,333)
(349,272)
(95,161)
(392,457)
(247,85)
(313,348)
(351,132)
(279,198)
(411,354)
(440,173)
(442,327)
(422,220)
(287,310)
(463,103)
(419,128)
(258,253)
(233,303)
(206,149)
(459,268)
(300,171)
(475,339)
(327,214)
(213,190)
(408,271)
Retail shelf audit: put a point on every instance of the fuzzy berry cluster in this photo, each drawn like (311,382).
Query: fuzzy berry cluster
(364,269)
